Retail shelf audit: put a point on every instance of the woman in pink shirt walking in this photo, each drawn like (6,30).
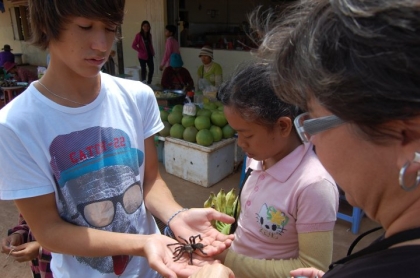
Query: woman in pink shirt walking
(171,46)
(142,43)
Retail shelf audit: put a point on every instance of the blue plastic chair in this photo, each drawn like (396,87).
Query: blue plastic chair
(355,218)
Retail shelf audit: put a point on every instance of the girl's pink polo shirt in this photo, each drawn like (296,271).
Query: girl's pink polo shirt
(296,195)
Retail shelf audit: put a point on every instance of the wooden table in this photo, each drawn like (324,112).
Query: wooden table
(11,92)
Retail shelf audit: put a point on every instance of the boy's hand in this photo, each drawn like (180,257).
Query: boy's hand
(161,258)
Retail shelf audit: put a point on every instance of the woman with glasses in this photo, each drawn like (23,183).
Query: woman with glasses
(354,66)
(289,201)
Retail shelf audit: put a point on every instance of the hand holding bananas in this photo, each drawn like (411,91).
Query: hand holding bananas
(225,203)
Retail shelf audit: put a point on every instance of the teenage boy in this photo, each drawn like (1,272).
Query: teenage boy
(78,156)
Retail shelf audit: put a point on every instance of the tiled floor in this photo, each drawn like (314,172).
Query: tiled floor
(188,195)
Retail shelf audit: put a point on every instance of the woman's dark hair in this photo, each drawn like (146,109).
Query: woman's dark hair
(359,59)
(47,17)
(142,33)
(250,93)
(171,28)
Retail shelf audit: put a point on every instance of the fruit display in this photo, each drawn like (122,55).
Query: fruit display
(225,203)
(207,126)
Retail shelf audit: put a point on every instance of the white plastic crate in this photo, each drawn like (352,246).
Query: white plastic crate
(201,165)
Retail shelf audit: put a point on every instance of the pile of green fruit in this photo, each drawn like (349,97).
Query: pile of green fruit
(223,202)
(209,125)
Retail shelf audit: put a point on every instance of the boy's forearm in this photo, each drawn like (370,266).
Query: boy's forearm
(49,230)
(160,201)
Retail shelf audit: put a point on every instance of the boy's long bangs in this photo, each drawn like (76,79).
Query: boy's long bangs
(109,11)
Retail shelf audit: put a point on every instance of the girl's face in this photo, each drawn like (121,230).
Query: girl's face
(146,27)
(256,140)
(83,47)
(167,33)
(205,59)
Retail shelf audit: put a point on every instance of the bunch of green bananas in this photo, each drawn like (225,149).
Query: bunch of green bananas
(223,202)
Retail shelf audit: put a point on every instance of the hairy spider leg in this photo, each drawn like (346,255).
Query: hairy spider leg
(186,241)
(192,238)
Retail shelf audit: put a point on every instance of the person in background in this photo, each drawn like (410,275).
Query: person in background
(210,72)
(289,202)
(171,45)
(78,157)
(21,245)
(185,35)
(6,55)
(20,74)
(354,66)
(175,76)
(143,44)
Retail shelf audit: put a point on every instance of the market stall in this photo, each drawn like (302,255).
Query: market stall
(197,144)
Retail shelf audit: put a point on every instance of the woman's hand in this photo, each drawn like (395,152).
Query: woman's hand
(161,258)
(198,222)
(214,270)
(307,272)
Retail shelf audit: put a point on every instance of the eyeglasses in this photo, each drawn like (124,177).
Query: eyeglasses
(101,213)
(307,127)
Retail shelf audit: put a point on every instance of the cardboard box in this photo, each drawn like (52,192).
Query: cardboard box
(201,165)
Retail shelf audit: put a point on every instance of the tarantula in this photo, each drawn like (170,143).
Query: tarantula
(188,247)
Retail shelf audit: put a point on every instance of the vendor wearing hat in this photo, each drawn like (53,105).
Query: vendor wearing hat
(210,71)
(6,55)
(175,76)
(20,74)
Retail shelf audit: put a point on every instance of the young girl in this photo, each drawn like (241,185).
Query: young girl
(289,201)
(142,43)
(171,45)
(22,246)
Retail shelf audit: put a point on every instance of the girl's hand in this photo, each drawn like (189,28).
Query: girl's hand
(8,243)
(25,252)
(195,222)
(214,270)
(307,272)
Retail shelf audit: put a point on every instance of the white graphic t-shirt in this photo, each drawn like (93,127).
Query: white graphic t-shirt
(92,157)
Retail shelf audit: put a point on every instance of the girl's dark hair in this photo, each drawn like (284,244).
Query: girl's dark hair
(250,93)
(47,17)
(359,59)
(171,28)
(144,34)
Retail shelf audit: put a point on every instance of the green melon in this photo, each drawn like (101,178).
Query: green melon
(202,122)
(175,118)
(228,131)
(204,137)
(190,134)
(165,131)
(216,132)
(177,131)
